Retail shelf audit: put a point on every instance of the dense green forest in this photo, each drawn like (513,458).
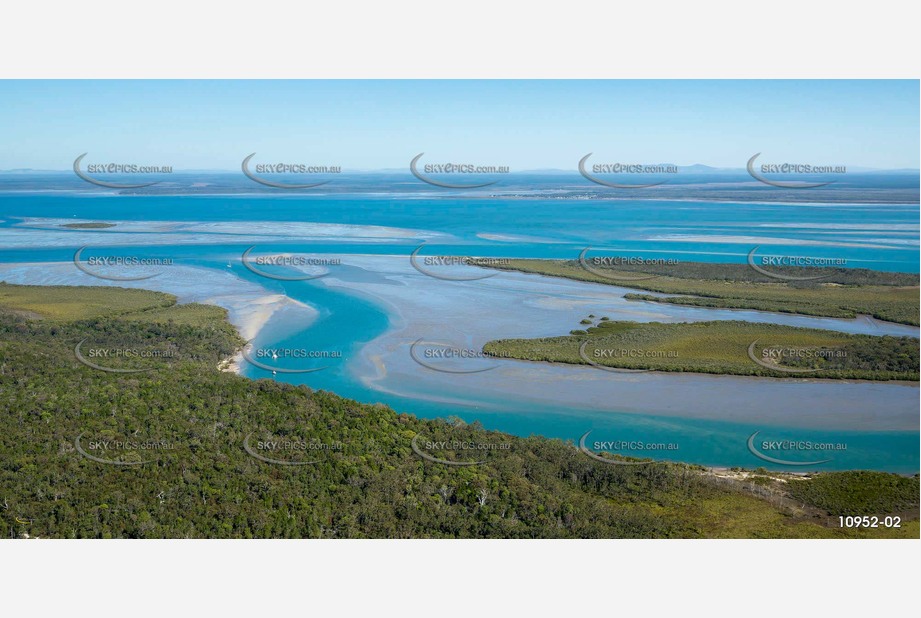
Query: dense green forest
(179,448)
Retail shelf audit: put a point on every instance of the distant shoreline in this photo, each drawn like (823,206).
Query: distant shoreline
(449,195)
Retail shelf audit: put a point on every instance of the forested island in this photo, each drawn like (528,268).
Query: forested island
(722,347)
(806,290)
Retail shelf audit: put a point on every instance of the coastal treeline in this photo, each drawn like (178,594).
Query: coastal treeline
(179,448)
(833,292)
(722,347)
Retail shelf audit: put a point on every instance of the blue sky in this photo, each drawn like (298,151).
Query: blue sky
(522,124)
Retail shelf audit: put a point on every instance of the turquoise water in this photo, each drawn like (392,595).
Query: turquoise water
(881,237)
(542,228)
(701,441)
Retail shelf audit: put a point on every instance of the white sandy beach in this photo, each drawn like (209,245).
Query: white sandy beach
(249,306)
